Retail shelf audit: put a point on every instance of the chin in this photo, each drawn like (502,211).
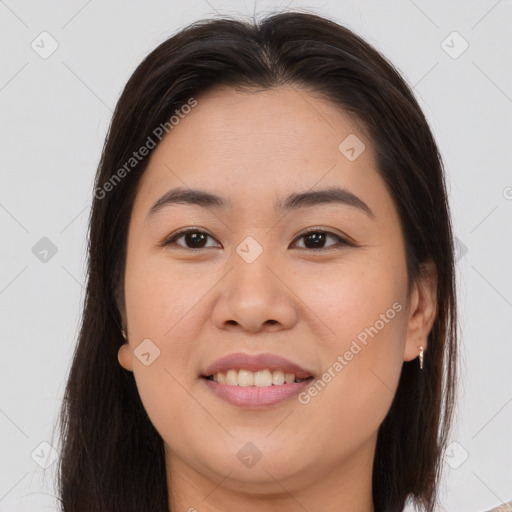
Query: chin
(255,467)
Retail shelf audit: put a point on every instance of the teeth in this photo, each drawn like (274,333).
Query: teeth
(245,378)
(289,378)
(260,378)
(232,378)
(277,377)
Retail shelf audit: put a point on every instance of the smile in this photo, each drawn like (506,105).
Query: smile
(260,378)
(255,380)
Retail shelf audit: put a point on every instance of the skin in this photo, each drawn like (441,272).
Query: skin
(196,306)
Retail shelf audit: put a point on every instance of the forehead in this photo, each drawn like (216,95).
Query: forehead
(258,145)
(244,125)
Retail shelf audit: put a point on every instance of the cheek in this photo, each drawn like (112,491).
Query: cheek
(163,305)
(362,308)
(161,299)
(348,298)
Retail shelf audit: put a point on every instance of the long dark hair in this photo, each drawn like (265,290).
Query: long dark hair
(112,458)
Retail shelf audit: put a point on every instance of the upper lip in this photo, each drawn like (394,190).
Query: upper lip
(255,362)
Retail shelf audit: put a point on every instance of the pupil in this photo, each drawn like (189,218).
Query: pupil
(195,239)
(318,240)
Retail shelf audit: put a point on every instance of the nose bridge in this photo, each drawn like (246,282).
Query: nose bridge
(252,296)
(251,279)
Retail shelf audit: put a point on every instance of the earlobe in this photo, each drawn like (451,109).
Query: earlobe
(124,356)
(422,312)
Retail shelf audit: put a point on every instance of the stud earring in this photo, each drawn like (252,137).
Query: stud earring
(421,358)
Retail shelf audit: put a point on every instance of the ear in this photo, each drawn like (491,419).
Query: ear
(422,310)
(124,356)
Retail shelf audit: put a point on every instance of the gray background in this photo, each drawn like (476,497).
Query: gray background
(55,113)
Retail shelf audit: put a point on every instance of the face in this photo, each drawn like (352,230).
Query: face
(321,284)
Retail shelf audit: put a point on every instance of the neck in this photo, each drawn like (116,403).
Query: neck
(346,487)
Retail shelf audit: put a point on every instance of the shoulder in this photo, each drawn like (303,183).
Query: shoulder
(505,507)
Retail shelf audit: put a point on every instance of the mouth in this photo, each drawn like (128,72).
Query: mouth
(260,378)
(255,381)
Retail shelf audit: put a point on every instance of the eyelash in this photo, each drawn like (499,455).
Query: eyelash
(344,242)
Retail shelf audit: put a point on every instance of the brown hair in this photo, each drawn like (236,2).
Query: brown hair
(112,458)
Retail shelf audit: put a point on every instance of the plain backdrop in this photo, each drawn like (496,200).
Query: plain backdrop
(63,66)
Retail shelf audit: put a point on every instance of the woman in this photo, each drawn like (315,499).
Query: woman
(270,318)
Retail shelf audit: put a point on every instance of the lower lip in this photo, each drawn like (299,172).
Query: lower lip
(254,397)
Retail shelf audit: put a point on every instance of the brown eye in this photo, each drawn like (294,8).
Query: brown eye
(315,240)
(192,239)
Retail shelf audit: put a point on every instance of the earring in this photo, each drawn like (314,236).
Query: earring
(421,358)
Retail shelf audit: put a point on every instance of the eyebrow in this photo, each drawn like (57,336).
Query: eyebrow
(294,201)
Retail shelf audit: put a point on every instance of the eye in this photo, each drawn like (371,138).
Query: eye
(315,240)
(192,238)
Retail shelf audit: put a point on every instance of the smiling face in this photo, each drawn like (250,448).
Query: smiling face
(250,279)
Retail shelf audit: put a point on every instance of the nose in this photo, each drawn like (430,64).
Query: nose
(255,297)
